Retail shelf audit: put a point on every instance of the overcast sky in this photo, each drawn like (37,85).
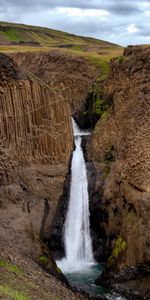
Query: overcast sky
(119,21)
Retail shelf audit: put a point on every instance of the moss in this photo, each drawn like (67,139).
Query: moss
(9,292)
(101,107)
(96,107)
(105,115)
(43,259)
(106,171)
(57,298)
(59,270)
(120,246)
(121,59)
(11,267)
(131,217)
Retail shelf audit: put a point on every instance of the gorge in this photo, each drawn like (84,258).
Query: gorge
(39,92)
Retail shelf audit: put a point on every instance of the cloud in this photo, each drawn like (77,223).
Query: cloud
(81,13)
(147,13)
(123,22)
(132,28)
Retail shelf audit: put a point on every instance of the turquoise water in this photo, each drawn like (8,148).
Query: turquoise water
(84,279)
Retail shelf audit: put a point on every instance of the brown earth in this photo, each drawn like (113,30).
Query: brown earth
(22,278)
(120,148)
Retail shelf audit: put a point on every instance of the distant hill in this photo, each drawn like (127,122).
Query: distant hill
(26,38)
(11,34)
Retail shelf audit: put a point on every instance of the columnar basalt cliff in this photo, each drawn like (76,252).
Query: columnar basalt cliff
(120,149)
(72,75)
(38,93)
(36,143)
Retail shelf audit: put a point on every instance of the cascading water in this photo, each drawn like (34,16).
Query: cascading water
(77,239)
(78,265)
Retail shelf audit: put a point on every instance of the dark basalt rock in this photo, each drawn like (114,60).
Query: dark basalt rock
(131,282)
(98,213)
(55,240)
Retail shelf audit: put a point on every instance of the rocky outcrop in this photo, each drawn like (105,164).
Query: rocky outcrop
(120,150)
(72,75)
(36,143)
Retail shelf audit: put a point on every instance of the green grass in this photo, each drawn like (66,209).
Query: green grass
(13,30)
(78,48)
(11,267)
(9,292)
(49,37)
(121,59)
(11,34)
(95,51)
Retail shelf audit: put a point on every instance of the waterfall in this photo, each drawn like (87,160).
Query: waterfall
(77,239)
(77,131)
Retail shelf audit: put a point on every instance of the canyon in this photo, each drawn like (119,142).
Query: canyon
(38,94)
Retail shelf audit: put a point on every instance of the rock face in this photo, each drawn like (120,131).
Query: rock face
(120,150)
(73,76)
(36,143)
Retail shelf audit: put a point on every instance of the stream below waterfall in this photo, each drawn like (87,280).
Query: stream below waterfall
(79,265)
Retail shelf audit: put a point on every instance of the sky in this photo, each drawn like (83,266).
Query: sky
(124,22)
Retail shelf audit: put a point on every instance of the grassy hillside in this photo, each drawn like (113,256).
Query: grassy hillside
(22,38)
(19,37)
(19,33)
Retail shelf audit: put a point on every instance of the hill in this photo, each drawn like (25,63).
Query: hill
(20,37)
(25,34)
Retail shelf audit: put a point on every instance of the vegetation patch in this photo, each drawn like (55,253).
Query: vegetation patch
(9,292)
(11,267)
(59,270)
(57,298)
(120,246)
(43,259)
(78,48)
(106,170)
(11,34)
(101,106)
(121,59)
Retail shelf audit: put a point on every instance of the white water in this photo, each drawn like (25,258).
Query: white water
(77,131)
(77,239)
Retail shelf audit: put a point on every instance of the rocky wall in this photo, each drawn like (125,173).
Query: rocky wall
(120,150)
(35,148)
